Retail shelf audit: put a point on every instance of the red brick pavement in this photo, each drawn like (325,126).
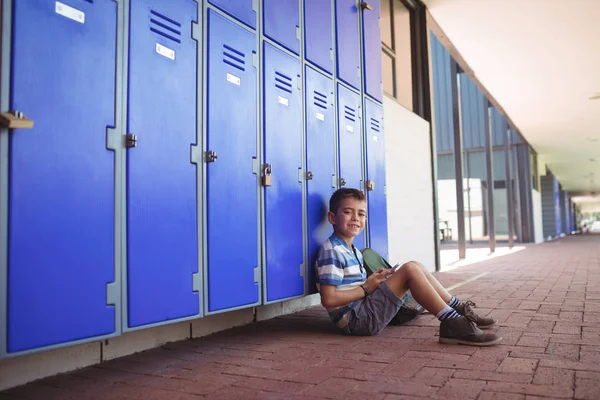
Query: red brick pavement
(546,298)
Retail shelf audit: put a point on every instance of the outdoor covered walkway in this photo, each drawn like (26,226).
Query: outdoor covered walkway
(546,297)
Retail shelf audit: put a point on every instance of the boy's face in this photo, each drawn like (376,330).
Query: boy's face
(349,219)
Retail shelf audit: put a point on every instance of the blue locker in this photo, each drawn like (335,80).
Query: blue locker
(350,145)
(232,219)
(372,51)
(281,19)
(61,176)
(283,151)
(376,194)
(162,240)
(318,34)
(320,160)
(242,10)
(348,42)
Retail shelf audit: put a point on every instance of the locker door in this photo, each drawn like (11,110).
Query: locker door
(348,42)
(377,212)
(232,191)
(61,175)
(350,145)
(318,36)
(320,161)
(242,10)
(162,242)
(283,200)
(282,22)
(372,51)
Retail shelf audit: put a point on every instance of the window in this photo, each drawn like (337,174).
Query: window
(396,51)
(533,166)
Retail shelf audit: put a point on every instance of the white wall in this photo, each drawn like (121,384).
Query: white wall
(538,224)
(409,185)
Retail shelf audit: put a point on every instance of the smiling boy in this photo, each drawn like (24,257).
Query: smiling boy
(361,306)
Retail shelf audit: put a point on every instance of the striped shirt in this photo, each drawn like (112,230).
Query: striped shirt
(341,266)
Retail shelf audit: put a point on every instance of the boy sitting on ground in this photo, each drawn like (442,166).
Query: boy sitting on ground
(361,306)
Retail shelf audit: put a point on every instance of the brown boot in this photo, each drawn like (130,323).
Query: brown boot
(482,322)
(462,330)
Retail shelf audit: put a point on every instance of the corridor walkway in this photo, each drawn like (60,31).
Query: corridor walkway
(546,298)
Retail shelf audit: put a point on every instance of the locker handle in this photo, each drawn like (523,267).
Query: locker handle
(15,120)
(309,175)
(370,185)
(342,182)
(366,6)
(130,140)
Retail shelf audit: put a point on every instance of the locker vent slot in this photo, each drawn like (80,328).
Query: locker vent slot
(349,113)
(283,82)
(320,100)
(165,26)
(234,57)
(375,125)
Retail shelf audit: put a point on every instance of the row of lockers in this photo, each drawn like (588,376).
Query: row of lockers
(154,186)
(557,208)
(281,23)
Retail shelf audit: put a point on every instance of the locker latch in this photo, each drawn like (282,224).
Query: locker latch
(15,120)
(267,179)
(370,185)
(309,175)
(366,6)
(211,156)
(130,140)
(342,182)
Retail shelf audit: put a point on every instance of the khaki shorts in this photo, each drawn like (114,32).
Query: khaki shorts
(371,315)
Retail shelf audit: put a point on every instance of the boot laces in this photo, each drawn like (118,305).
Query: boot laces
(469,313)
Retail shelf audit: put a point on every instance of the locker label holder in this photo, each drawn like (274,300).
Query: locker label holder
(15,120)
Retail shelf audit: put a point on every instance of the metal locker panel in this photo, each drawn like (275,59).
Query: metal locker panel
(372,51)
(162,253)
(320,161)
(281,19)
(318,34)
(242,10)
(376,194)
(348,42)
(350,145)
(283,151)
(232,205)
(61,175)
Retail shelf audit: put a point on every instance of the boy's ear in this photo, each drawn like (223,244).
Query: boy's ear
(331,218)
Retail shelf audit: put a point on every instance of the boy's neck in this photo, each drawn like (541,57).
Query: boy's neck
(346,239)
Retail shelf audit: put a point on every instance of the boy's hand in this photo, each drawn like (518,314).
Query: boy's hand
(376,278)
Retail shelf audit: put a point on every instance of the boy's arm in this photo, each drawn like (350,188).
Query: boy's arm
(331,297)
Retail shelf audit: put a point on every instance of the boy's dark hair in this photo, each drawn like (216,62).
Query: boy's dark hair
(338,195)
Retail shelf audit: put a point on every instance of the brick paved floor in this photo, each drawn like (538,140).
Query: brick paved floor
(546,298)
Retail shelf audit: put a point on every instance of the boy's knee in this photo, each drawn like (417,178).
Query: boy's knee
(411,267)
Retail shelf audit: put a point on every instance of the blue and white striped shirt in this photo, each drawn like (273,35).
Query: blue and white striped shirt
(338,265)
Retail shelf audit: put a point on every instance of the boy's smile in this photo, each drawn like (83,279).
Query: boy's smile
(349,219)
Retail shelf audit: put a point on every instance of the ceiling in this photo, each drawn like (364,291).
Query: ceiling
(540,59)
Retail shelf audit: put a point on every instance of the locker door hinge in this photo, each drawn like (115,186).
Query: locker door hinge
(210,156)
(256,275)
(15,120)
(255,5)
(197,282)
(333,181)
(302,270)
(298,33)
(130,140)
(254,59)
(112,294)
(300,175)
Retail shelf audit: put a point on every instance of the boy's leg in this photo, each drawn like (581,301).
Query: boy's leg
(454,328)
(482,322)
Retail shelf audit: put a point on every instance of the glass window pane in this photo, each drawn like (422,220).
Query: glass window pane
(388,74)
(402,41)
(386,24)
